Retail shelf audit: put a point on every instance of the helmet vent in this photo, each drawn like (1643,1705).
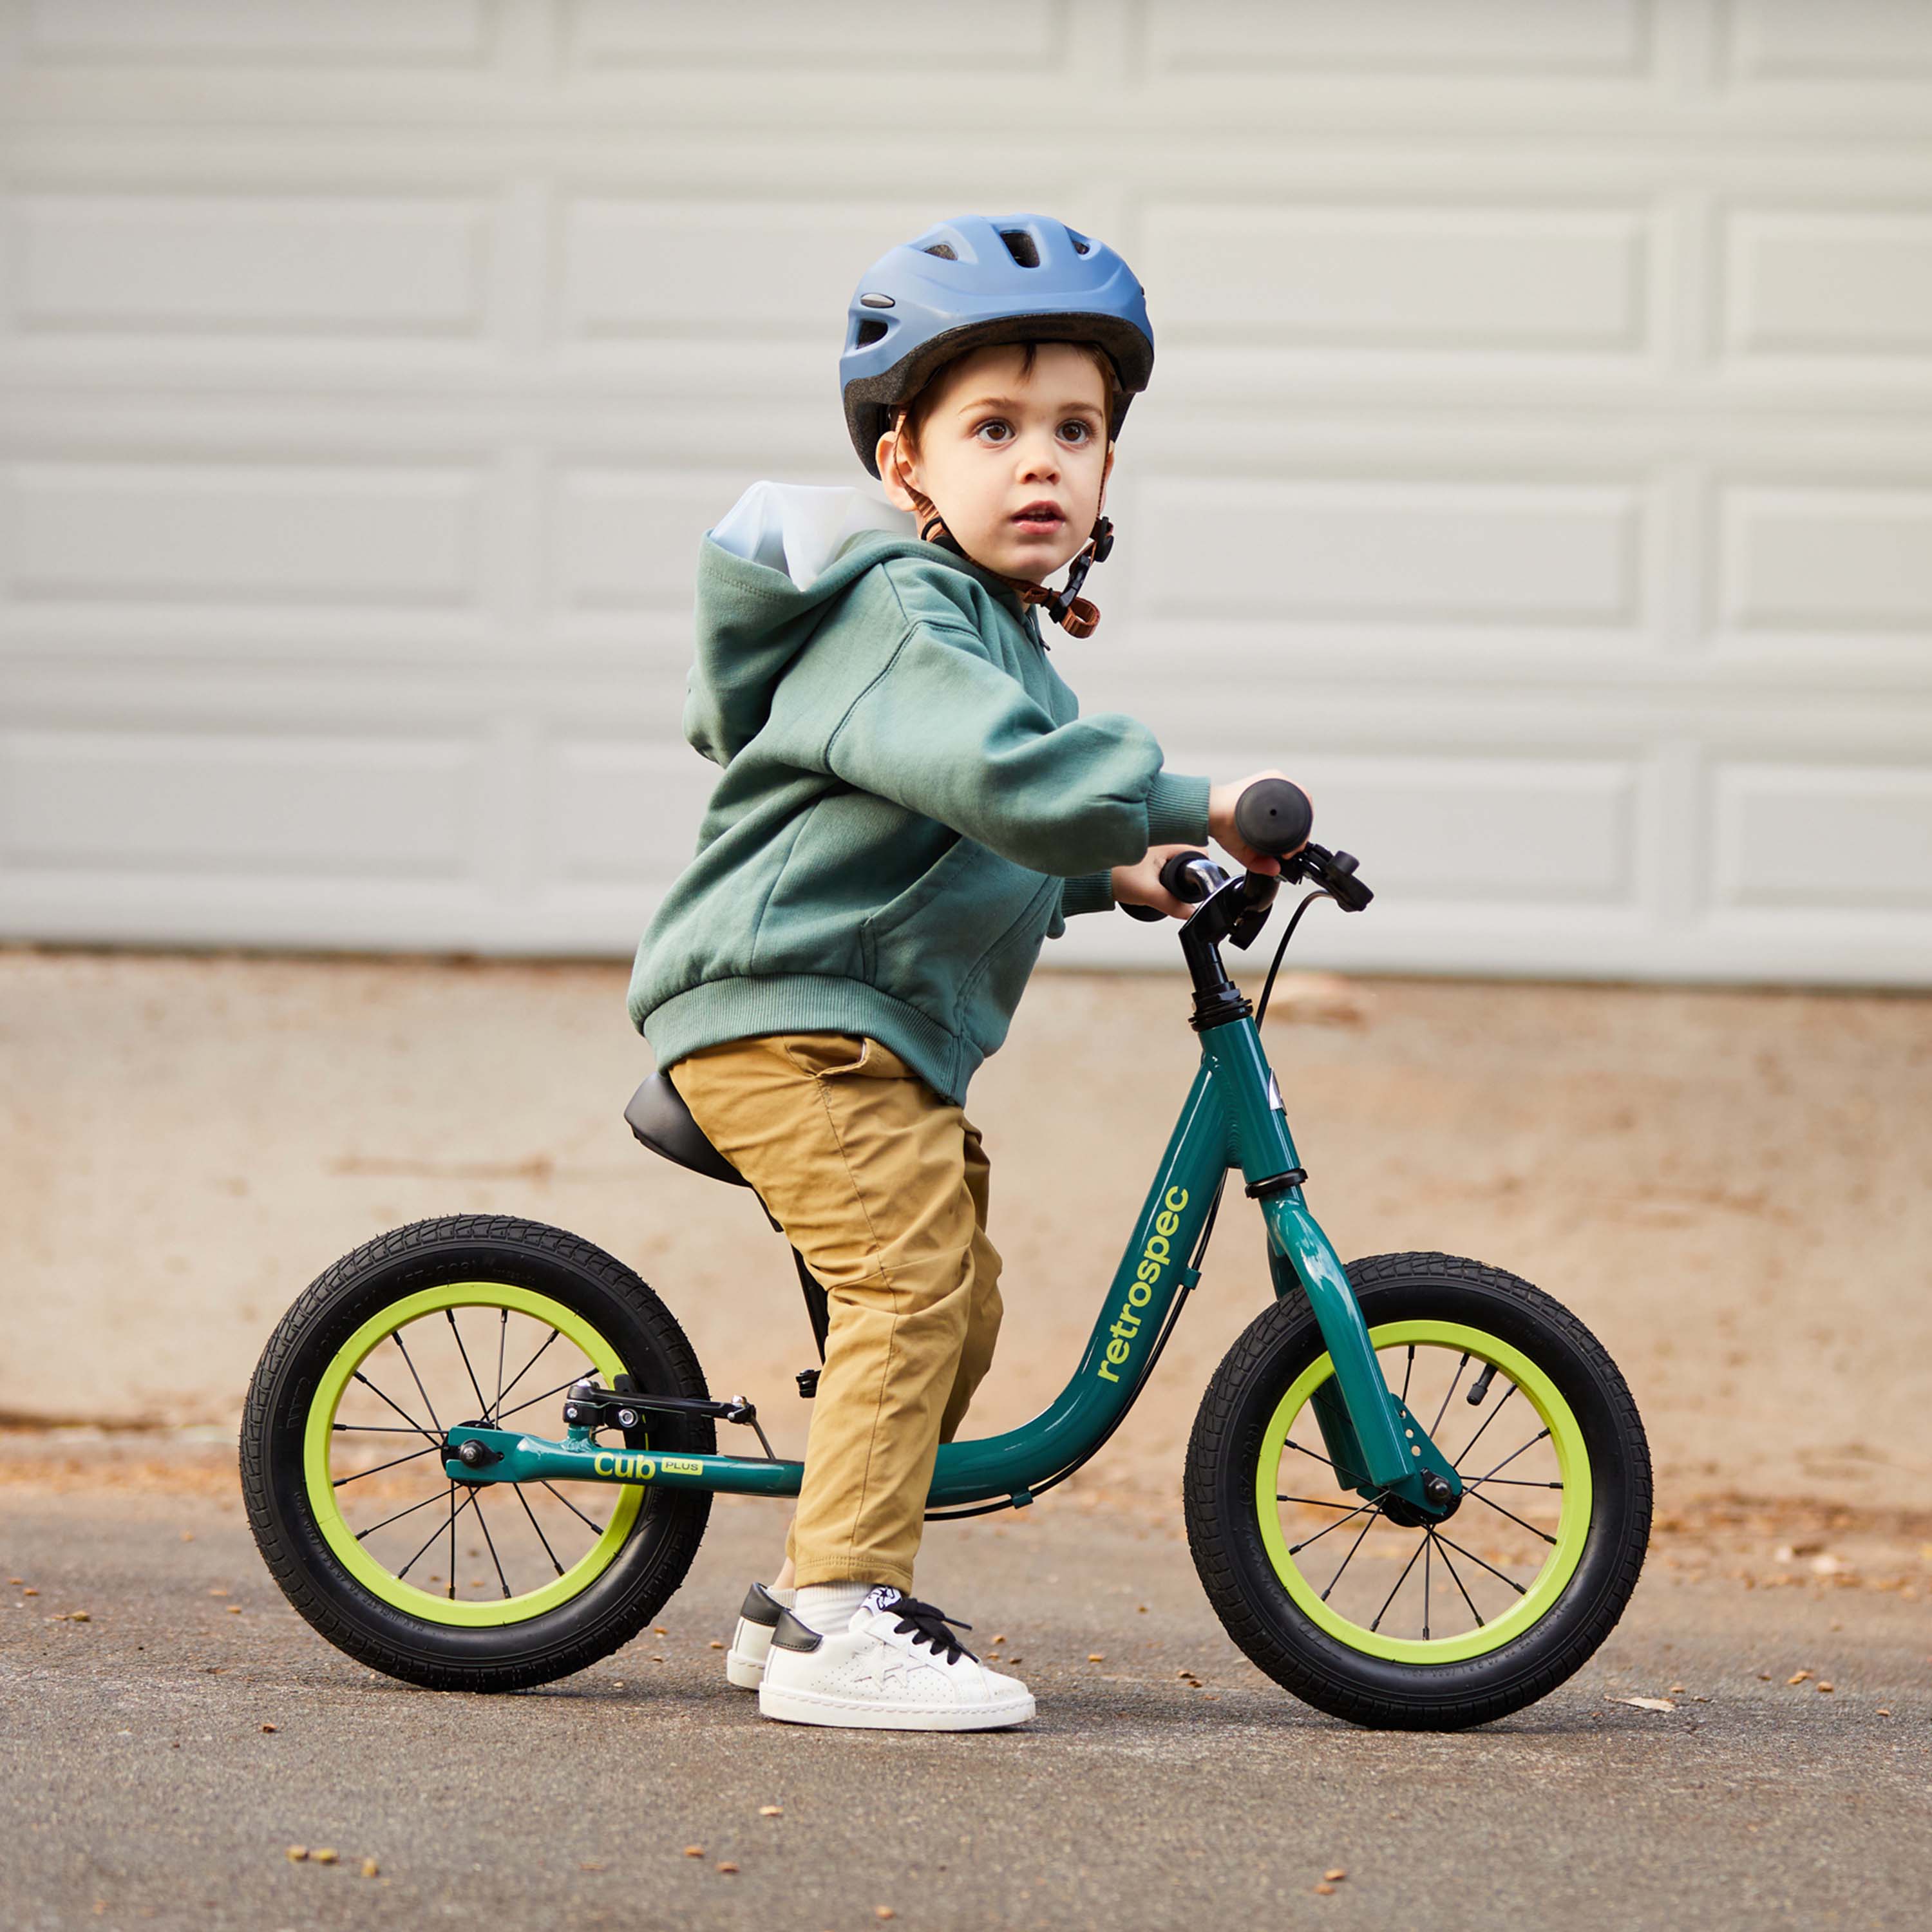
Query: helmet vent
(944,250)
(1080,245)
(869,332)
(1021,247)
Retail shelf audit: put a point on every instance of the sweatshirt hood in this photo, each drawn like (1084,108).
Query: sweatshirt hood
(765,573)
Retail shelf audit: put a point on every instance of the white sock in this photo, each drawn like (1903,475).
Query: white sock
(828,1608)
(787,1596)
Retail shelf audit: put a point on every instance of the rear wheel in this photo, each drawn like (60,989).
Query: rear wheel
(1357,1605)
(482,1587)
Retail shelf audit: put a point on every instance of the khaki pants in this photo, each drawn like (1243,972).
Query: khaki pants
(881,1186)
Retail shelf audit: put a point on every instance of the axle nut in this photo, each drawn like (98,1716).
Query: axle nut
(472,1454)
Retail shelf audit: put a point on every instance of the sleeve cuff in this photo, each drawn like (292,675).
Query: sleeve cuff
(1091,892)
(1177,810)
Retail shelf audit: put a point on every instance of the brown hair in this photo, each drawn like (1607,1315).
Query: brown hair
(915,412)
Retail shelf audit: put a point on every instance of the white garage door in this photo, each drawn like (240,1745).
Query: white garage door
(1540,461)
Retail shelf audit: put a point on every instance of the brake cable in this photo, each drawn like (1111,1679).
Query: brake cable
(1261,1009)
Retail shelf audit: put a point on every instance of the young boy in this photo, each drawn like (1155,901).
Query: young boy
(910,803)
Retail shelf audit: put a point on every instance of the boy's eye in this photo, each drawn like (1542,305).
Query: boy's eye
(994,422)
(1084,430)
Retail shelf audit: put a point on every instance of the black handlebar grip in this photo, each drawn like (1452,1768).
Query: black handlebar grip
(1273,817)
(1174,878)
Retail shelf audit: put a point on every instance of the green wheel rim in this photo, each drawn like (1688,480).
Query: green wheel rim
(1573,1463)
(320,1485)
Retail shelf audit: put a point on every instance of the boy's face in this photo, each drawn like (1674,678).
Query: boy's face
(996,445)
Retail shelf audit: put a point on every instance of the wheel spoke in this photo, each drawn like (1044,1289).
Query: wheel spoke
(397,1517)
(538,1527)
(489,1539)
(403,1572)
(397,1406)
(1486,1420)
(396,1336)
(1514,1518)
(1507,1459)
(376,1429)
(411,1457)
(502,1336)
(1375,1517)
(1446,1400)
(1322,1459)
(1319,1502)
(1514,1482)
(572,1507)
(1458,1576)
(1520,1590)
(523,1372)
(1426,1541)
(449,1315)
(1398,1582)
(1297,1548)
(497,1421)
(1409,1369)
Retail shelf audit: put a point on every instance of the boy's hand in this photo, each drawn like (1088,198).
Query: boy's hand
(1139,884)
(1221,799)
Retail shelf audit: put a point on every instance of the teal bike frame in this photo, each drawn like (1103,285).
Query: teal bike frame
(1232,1118)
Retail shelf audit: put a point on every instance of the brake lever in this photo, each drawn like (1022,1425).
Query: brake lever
(1334,872)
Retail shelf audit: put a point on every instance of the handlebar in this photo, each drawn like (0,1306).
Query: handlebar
(1272,816)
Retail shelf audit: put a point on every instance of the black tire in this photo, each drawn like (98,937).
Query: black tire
(1249,1596)
(635,1584)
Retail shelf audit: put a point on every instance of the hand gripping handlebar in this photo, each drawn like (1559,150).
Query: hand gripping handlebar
(1271,816)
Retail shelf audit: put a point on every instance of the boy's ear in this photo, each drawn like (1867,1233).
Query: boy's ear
(890,472)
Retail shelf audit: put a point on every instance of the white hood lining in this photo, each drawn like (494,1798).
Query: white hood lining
(799,528)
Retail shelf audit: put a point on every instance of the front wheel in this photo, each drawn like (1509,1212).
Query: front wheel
(1355,1606)
(471,1318)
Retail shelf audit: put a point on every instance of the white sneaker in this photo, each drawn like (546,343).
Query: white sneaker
(896,1667)
(744,1661)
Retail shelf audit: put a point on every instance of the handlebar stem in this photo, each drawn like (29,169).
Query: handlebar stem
(1217,999)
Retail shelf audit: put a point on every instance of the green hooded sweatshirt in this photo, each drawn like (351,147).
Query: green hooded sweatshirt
(910,803)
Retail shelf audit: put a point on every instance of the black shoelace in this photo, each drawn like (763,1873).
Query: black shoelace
(927,1624)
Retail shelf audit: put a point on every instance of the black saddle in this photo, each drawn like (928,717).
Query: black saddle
(659,1118)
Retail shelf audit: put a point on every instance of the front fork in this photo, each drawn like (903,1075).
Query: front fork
(1378,1446)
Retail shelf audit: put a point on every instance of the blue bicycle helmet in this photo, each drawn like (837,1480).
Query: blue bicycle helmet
(981,279)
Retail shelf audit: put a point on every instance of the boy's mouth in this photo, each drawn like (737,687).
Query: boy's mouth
(1043,517)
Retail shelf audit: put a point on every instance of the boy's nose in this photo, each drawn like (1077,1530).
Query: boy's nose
(1039,460)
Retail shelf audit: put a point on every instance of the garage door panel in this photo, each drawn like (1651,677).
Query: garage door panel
(629,537)
(1363,275)
(1397,36)
(1845,836)
(1849,287)
(1449,551)
(273,265)
(1828,561)
(358,31)
(141,801)
(255,532)
(1798,41)
(624,813)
